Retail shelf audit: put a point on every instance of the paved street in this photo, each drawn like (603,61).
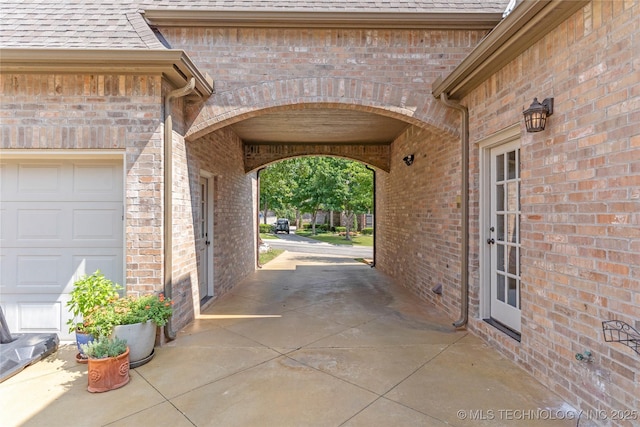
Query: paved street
(294,243)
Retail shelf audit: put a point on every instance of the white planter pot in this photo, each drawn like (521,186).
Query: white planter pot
(141,338)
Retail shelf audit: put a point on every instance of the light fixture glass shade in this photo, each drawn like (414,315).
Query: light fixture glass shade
(535,117)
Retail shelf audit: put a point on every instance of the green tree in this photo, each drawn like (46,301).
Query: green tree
(353,193)
(309,184)
(276,188)
(316,180)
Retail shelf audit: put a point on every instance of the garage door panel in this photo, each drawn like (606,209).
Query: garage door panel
(62,224)
(39,273)
(109,264)
(30,271)
(97,224)
(40,316)
(70,180)
(41,270)
(59,219)
(6,178)
(41,178)
(40,224)
(7,230)
(24,180)
(97,181)
(35,313)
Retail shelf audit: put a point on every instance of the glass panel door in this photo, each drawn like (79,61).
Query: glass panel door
(504,235)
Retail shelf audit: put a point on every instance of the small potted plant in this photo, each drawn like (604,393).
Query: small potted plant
(88,292)
(134,319)
(108,364)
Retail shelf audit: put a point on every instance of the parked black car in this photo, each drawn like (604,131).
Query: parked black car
(282,225)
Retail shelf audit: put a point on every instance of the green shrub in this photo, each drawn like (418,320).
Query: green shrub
(367,231)
(88,292)
(266,228)
(341,229)
(127,311)
(104,347)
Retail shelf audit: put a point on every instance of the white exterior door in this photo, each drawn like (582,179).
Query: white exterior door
(59,219)
(504,235)
(204,243)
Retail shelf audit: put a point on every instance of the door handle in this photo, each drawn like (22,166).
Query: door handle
(490,241)
(207,242)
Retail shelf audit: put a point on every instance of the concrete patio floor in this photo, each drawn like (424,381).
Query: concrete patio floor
(306,341)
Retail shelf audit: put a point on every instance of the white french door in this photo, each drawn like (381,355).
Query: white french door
(204,244)
(504,234)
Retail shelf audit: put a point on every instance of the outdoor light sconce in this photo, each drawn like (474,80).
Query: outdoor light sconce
(408,160)
(535,117)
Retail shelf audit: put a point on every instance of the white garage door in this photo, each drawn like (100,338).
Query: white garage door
(59,219)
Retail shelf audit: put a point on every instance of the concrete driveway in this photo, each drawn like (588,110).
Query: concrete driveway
(309,340)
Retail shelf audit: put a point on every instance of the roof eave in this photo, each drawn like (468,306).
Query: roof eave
(321,19)
(526,24)
(174,64)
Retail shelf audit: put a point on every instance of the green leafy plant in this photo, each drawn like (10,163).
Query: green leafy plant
(266,228)
(104,347)
(101,320)
(88,292)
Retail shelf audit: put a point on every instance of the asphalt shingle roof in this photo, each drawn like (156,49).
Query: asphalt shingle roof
(69,24)
(117,24)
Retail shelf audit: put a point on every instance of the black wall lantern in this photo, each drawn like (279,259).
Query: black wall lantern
(408,160)
(535,117)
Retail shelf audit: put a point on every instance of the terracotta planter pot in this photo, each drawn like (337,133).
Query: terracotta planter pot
(109,373)
(140,337)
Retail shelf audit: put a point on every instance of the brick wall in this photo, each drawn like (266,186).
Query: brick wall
(220,153)
(260,68)
(580,202)
(124,113)
(234,240)
(418,217)
(239,57)
(99,112)
(185,213)
(268,69)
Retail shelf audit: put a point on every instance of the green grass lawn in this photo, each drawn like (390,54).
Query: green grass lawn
(336,239)
(265,257)
(267,236)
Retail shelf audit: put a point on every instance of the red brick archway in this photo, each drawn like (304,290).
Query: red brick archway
(415,107)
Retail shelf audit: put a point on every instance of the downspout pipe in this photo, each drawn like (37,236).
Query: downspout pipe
(168,195)
(464,189)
